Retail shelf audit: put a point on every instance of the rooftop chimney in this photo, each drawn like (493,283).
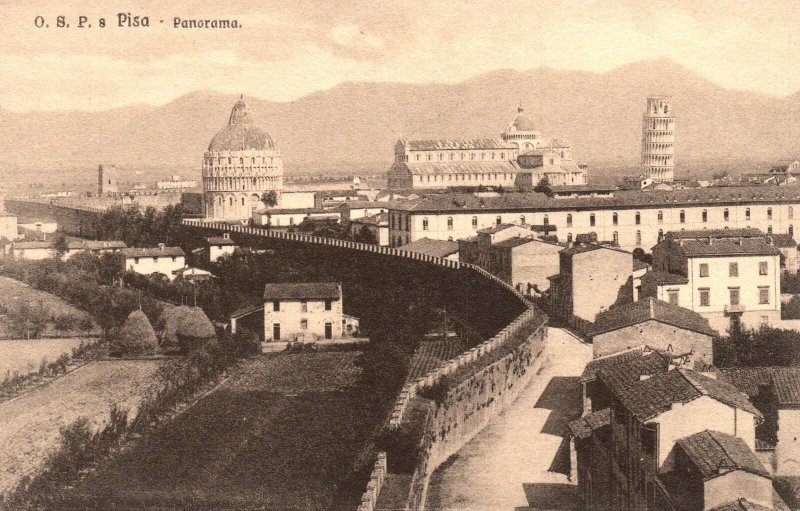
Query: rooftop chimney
(161,246)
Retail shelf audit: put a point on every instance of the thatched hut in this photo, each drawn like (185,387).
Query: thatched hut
(194,329)
(136,336)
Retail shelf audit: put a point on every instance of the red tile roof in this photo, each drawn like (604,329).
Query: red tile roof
(457,167)
(630,365)
(457,144)
(661,277)
(724,247)
(785,381)
(647,309)
(715,453)
(153,252)
(589,423)
(302,290)
(435,248)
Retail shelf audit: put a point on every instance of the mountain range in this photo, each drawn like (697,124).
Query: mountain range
(353,126)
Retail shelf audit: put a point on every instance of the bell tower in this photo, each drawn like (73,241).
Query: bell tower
(658,139)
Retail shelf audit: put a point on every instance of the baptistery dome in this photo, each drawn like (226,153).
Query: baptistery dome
(241,164)
(241,133)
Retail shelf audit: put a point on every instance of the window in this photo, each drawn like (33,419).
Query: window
(569,238)
(638,218)
(614,219)
(546,220)
(769,213)
(304,305)
(733,269)
(303,324)
(763,295)
(762,268)
(135,260)
(747,214)
(705,297)
(660,217)
(734,295)
(474,222)
(276,305)
(672,296)
(683,217)
(764,320)
(726,215)
(425,224)
(591,220)
(449,223)
(704,269)
(498,220)
(638,238)
(660,235)
(569,220)
(790,213)
(328,304)
(615,238)
(705,216)
(769,229)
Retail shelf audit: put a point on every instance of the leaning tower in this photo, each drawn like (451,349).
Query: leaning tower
(658,139)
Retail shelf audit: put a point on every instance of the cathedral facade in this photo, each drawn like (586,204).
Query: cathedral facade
(241,165)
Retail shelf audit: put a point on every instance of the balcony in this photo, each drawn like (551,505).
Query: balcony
(732,309)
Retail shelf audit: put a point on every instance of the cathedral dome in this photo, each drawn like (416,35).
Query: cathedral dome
(241,134)
(522,122)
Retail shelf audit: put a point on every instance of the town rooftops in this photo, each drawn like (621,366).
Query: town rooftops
(725,247)
(95,245)
(784,240)
(496,228)
(715,453)
(299,211)
(583,188)
(159,251)
(655,395)
(456,144)
(651,309)
(785,382)
(590,247)
(435,248)
(31,245)
(624,199)
(377,219)
(715,233)
(302,291)
(514,242)
(630,364)
(584,427)
(661,277)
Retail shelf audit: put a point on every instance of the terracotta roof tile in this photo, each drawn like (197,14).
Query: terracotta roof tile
(785,381)
(457,144)
(628,365)
(589,423)
(715,453)
(634,313)
(435,248)
(302,290)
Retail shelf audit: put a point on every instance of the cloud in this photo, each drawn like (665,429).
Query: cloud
(350,36)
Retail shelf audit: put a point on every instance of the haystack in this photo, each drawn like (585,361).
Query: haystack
(136,336)
(194,329)
(173,316)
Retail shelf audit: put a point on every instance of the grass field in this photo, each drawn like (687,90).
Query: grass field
(23,356)
(12,291)
(29,424)
(282,433)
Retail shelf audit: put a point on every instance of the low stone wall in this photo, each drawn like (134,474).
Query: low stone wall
(370,496)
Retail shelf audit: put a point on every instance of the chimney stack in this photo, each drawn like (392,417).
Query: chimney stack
(161,246)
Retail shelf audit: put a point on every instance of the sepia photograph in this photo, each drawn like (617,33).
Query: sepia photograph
(422,255)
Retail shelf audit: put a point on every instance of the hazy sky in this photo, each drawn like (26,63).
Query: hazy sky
(287,49)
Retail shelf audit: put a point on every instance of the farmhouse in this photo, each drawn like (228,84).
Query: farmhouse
(162,259)
(305,311)
(219,246)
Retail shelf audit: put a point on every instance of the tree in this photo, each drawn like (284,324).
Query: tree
(64,323)
(543,186)
(270,199)
(365,235)
(60,247)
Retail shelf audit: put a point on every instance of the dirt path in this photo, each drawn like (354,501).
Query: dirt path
(507,467)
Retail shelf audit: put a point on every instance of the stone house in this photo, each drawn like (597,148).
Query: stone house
(219,246)
(161,259)
(305,311)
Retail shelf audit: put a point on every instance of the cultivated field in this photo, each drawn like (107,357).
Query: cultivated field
(29,424)
(13,291)
(23,356)
(283,432)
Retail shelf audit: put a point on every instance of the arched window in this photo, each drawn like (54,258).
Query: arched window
(230,201)
(229,160)
(425,224)
(253,160)
(638,238)
(449,238)
(569,220)
(683,217)
(615,218)
(705,216)
(241,161)
(449,223)
(769,213)
(660,217)
(747,214)
(615,238)
(591,220)
(474,222)
(498,220)
(242,201)
(569,238)
(726,215)
(546,220)
(522,219)
(769,229)
(638,218)
(660,235)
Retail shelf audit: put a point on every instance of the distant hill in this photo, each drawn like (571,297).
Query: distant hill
(352,127)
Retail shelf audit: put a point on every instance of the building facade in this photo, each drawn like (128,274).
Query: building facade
(8,226)
(241,164)
(219,246)
(726,276)
(161,259)
(303,311)
(658,140)
(633,220)
(107,180)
